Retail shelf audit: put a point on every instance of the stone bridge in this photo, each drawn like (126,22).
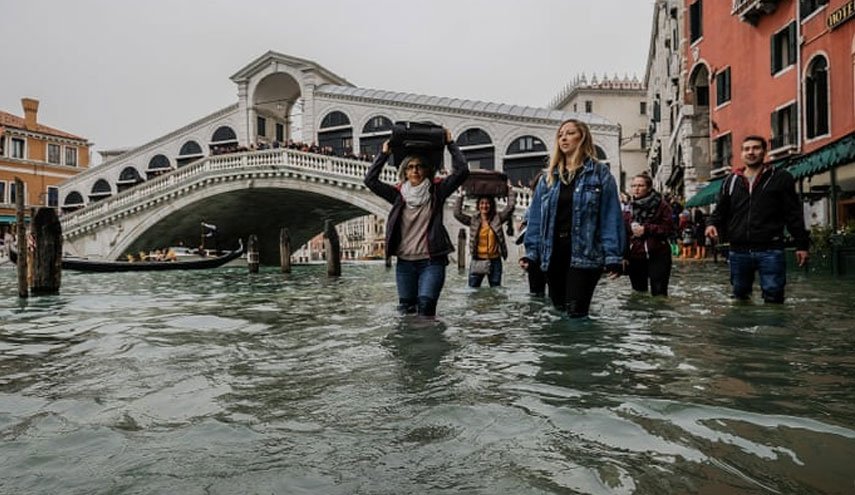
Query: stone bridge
(242,193)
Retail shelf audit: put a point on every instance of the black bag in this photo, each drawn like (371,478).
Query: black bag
(486,183)
(418,138)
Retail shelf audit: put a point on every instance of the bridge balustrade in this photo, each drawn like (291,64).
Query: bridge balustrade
(309,165)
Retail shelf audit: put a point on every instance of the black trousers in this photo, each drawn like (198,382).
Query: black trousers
(571,289)
(656,271)
(536,280)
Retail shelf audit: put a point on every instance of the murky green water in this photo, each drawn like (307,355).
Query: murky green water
(221,382)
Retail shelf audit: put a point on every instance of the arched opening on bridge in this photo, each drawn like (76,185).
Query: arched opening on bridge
(377,130)
(336,132)
(224,140)
(276,102)
(128,178)
(100,190)
(602,156)
(478,149)
(524,158)
(73,201)
(189,152)
(158,164)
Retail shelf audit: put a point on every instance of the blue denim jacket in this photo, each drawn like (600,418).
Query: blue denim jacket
(597,233)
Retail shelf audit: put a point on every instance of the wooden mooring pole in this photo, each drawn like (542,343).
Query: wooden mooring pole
(47,258)
(285,250)
(21,233)
(332,249)
(252,253)
(461,249)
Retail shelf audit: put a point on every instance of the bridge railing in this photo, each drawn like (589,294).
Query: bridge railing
(352,171)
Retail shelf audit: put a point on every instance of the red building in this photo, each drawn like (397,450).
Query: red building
(782,69)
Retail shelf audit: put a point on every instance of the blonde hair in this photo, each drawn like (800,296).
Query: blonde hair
(585,151)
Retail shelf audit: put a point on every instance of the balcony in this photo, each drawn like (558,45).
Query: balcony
(752,10)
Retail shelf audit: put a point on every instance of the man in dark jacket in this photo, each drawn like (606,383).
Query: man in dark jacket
(755,205)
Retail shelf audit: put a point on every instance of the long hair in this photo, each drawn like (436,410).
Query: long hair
(492,201)
(583,152)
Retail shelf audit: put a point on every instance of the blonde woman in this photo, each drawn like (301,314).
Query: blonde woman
(575,224)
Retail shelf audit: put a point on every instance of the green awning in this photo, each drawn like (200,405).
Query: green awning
(832,155)
(707,195)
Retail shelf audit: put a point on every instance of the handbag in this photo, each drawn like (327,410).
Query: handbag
(479,267)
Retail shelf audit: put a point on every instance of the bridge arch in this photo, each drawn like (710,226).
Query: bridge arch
(190,152)
(128,177)
(100,190)
(238,210)
(73,201)
(158,164)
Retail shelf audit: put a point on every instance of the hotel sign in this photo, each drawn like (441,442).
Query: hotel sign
(841,15)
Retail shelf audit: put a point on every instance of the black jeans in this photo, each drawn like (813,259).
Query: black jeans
(571,289)
(656,270)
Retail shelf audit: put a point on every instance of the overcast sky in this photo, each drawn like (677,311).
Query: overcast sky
(122,72)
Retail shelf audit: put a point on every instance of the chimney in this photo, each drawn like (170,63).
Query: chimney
(31,110)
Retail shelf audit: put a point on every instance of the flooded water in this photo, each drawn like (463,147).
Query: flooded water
(220,382)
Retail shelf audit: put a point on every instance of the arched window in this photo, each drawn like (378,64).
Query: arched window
(374,132)
(816,98)
(524,158)
(158,164)
(128,178)
(334,119)
(336,133)
(224,135)
(601,153)
(377,123)
(100,190)
(478,149)
(699,81)
(73,199)
(190,152)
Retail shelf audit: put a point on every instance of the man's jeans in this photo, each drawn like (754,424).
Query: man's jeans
(419,285)
(771,266)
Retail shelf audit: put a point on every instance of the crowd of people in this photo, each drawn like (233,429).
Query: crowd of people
(578,227)
(291,145)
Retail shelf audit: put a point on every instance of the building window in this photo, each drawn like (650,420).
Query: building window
(589,106)
(723,152)
(722,87)
(18,148)
(13,194)
(53,154)
(642,108)
(2,192)
(53,196)
(643,137)
(261,126)
(784,48)
(280,132)
(526,144)
(784,126)
(2,146)
(575,107)
(696,25)
(71,156)
(816,98)
(808,7)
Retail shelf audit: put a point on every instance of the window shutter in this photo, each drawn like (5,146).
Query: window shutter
(776,131)
(791,44)
(774,50)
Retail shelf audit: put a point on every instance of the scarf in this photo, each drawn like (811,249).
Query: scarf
(416,196)
(644,209)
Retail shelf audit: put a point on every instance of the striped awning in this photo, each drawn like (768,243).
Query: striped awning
(707,195)
(829,156)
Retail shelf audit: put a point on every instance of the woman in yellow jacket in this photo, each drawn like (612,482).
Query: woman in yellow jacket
(487,245)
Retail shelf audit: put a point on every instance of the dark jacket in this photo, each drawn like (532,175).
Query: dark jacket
(439,242)
(657,233)
(756,219)
(474,224)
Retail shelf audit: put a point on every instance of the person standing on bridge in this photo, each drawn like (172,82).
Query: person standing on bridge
(575,225)
(755,205)
(415,231)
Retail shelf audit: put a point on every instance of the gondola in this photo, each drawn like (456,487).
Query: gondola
(87,265)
